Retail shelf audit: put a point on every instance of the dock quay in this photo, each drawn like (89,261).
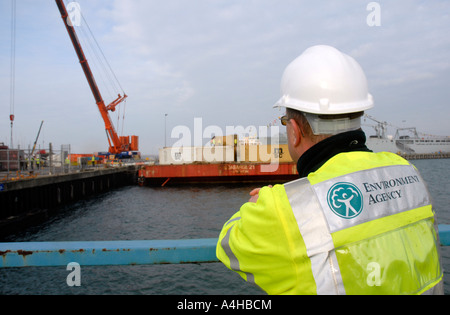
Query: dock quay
(27,200)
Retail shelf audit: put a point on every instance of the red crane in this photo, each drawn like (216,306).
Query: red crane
(117,145)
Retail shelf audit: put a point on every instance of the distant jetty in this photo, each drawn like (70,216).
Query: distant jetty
(425,156)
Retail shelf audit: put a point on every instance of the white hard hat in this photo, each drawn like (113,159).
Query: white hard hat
(324,81)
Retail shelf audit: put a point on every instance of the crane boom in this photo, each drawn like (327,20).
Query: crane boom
(37,137)
(116,144)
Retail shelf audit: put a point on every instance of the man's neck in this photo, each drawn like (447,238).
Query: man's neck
(321,152)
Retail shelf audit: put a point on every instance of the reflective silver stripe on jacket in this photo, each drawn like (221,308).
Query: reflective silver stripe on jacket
(317,238)
(234,261)
(379,192)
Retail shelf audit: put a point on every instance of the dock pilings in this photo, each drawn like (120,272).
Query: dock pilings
(32,200)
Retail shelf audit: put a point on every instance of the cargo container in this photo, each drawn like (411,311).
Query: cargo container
(186,155)
(264,153)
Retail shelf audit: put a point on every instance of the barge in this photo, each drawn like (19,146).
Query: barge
(227,161)
(216,173)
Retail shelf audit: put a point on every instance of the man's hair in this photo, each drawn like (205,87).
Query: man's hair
(304,125)
(301,120)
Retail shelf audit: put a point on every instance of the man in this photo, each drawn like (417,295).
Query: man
(356,222)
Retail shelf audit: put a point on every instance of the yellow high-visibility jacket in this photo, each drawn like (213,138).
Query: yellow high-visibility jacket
(361,224)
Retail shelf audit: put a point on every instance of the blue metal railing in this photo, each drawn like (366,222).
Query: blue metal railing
(96,253)
(108,253)
(444,234)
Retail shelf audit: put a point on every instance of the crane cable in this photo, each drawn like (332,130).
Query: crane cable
(12,67)
(110,75)
(116,80)
(101,63)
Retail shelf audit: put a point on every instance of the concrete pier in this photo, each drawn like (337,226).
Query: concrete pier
(425,156)
(27,201)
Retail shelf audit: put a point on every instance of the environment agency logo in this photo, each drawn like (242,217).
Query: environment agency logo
(345,200)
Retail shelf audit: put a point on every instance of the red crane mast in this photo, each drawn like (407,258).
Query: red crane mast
(117,144)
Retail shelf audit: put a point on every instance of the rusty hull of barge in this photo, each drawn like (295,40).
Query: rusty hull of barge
(217,173)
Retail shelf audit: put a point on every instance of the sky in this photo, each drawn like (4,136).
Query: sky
(220,61)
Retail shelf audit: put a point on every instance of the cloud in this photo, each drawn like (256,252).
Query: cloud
(219,59)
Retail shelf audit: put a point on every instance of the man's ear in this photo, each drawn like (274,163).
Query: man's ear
(296,133)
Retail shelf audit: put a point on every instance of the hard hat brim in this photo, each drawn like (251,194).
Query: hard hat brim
(324,107)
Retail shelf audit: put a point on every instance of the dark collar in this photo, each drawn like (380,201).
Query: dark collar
(318,154)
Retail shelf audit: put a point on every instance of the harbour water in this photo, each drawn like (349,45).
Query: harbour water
(145,213)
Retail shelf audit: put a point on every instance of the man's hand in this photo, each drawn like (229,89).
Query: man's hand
(255,194)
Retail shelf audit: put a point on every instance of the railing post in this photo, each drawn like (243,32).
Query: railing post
(444,234)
